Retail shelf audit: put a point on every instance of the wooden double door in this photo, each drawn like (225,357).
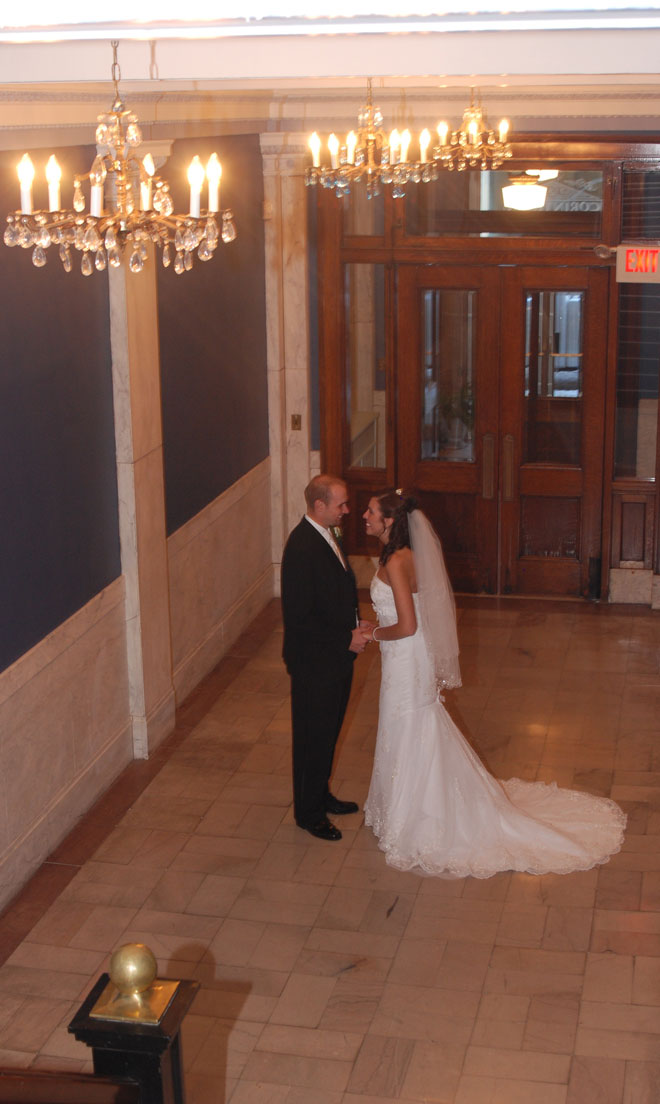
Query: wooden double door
(482,389)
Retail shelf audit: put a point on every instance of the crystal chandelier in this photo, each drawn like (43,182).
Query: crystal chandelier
(129,205)
(371,156)
(474,145)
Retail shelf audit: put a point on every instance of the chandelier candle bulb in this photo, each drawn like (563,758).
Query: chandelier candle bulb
(333,146)
(472,133)
(97,177)
(405,143)
(213,175)
(443,131)
(503,129)
(26,176)
(424,142)
(351,143)
(395,144)
(315,146)
(53,176)
(196,180)
(146,186)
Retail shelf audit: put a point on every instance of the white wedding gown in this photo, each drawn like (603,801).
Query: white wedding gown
(435,808)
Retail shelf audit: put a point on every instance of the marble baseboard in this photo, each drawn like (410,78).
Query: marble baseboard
(632,585)
(149,732)
(211,650)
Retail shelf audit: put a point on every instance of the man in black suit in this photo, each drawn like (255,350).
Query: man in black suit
(322,636)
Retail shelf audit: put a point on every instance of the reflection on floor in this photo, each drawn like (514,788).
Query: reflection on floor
(328,978)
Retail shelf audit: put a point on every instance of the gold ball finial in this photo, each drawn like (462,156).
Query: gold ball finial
(133,968)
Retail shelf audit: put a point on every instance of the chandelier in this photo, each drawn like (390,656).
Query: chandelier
(474,145)
(129,206)
(368,154)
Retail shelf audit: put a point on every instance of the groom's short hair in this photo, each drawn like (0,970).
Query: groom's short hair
(320,487)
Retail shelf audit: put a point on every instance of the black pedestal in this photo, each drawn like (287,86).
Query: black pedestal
(147,1053)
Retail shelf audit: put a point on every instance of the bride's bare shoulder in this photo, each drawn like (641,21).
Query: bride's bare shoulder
(402,565)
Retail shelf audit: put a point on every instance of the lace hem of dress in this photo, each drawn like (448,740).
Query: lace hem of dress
(518,858)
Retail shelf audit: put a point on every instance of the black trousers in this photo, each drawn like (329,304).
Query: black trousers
(318,706)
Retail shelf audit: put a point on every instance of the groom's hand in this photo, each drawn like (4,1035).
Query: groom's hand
(358,640)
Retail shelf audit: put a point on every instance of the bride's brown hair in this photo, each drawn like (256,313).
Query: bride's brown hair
(396,504)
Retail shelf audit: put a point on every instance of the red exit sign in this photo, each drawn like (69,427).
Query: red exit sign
(638,264)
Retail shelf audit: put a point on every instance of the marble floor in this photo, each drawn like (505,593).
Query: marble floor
(329,978)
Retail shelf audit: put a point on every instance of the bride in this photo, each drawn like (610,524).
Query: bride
(432,804)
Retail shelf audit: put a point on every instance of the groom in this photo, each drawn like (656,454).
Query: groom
(322,636)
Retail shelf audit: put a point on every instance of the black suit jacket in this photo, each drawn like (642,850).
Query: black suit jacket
(319,606)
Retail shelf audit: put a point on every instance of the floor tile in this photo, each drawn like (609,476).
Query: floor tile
(328,977)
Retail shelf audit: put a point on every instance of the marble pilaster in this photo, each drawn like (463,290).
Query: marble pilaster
(285,213)
(139,441)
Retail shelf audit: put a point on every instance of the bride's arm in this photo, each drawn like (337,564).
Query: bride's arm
(399,571)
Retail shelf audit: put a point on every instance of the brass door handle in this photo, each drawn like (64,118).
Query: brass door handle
(488,466)
(508,446)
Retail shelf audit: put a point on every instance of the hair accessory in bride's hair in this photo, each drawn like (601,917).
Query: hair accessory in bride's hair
(399,491)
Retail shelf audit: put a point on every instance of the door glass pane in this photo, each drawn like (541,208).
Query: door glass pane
(553,377)
(447,383)
(472,204)
(364,304)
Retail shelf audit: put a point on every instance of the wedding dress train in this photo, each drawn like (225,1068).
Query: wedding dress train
(435,808)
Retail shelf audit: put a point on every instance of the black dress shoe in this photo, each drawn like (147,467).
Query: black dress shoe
(323,830)
(340,808)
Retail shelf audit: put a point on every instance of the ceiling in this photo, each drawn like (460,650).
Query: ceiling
(563,76)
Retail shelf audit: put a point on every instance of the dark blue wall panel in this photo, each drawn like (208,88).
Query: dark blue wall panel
(212,326)
(59,536)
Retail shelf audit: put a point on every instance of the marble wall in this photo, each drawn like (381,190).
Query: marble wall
(220,576)
(66,732)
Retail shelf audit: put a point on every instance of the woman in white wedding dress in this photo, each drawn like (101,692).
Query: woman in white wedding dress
(432,804)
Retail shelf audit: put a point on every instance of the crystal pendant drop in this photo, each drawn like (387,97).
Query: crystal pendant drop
(228,228)
(11,235)
(189,240)
(179,240)
(114,257)
(133,134)
(136,264)
(43,238)
(86,266)
(91,239)
(110,238)
(56,235)
(143,250)
(178,264)
(167,256)
(100,260)
(204,252)
(65,256)
(166,205)
(188,261)
(212,233)
(38,257)
(103,134)
(78,197)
